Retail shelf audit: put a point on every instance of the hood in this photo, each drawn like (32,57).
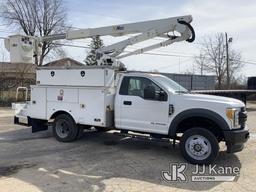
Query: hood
(213,99)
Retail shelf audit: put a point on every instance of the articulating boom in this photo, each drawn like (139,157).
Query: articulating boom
(142,31)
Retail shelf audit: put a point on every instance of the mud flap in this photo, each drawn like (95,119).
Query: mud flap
(38,125)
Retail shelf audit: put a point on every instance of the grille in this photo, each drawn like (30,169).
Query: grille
(242,117)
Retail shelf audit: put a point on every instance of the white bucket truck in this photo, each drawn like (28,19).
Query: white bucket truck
(106,97)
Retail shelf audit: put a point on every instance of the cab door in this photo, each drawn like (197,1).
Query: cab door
(138,112)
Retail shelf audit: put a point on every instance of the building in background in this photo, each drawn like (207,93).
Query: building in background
(251,83)
(13,75)
(66,62)
(193,82)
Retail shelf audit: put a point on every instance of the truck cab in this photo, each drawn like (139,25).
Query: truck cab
(155,104)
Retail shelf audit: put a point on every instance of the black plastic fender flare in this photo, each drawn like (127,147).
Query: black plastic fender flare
(205,113)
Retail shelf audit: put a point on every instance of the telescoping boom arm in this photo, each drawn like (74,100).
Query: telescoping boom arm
(146,30)
(142,31)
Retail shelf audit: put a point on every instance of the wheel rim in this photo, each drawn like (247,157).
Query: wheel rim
(62,128)
(198,147)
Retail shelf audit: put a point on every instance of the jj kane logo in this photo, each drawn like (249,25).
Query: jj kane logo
(178,172)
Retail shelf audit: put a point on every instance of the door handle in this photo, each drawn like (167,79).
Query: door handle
(127,103)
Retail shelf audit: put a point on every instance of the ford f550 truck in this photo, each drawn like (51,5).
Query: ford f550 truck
(104,97)
(137,102)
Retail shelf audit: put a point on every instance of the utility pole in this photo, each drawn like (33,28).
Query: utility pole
(227,61)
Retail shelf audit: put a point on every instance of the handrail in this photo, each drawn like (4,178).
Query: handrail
(17,92)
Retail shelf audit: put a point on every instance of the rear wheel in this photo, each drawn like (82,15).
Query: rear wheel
(64,128)
(199,146)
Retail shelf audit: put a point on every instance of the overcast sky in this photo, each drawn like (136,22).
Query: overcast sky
(236,17)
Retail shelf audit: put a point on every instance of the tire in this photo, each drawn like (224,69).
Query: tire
(199,146)
(80,133)
(65,128)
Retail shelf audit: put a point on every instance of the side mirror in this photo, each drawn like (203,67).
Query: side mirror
(150,92)
(162,96)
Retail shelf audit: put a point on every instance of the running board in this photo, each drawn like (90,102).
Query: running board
(142,137)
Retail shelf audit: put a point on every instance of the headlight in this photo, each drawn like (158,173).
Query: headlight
(233,116)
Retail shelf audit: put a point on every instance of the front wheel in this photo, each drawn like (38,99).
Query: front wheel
(199,146)
(64,128)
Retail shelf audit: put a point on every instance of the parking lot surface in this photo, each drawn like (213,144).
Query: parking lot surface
(106,162)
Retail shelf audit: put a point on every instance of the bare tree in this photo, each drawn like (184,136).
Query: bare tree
(212,59)
(57,53)
(36,18)
(200,62)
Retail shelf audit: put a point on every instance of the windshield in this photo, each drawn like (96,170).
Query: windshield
(170,85)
